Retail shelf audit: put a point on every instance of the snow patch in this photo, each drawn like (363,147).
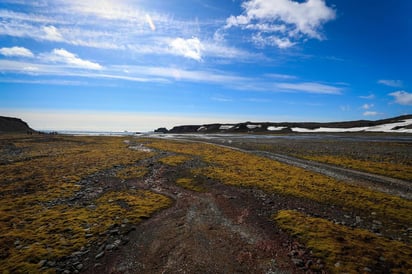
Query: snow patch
(202,128)
(272,128)
(253,126)
(381,128)
(225,127)
(390,127)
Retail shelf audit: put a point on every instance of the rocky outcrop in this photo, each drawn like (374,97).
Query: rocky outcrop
(14,125)
(289,127)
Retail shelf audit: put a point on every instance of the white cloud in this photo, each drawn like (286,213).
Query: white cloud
(371,113)
(402,97)
(16,51)
(64,56)
(189,48)
(51,33)
(391,83)
(368,97)
(282,22)
(367,106)
(310,87)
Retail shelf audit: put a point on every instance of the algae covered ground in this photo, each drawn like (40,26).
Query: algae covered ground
(98,204)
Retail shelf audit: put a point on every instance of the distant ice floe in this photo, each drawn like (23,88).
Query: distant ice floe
(391,127)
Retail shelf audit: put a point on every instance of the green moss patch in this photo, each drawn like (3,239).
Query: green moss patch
(347,250)
(190,184)
(38,221)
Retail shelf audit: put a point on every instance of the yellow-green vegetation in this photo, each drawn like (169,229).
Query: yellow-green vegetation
(36,222)
(132,172)
(346,250)
(50,233)
(386,168)
(174,160)
(188,183)
(243,169)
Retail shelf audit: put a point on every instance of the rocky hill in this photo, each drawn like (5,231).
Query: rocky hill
(401,124)
(12,125)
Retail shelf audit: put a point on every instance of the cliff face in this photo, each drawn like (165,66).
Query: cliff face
(9,124)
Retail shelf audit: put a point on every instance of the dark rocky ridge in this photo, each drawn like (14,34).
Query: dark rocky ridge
(287,126)
(12,125)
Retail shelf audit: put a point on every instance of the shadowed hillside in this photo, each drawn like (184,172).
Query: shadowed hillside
(9,124)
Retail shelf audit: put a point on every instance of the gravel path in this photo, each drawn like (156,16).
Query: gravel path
(377,182)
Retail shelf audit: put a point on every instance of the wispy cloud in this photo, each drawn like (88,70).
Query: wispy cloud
(368,97)
(281,76)
(391,83)
(52,34)
(221,99)
(16,51)
(402,97)
(345,108)
(371,113)
(367,106)
(310,87)
(282,23)
(122,26)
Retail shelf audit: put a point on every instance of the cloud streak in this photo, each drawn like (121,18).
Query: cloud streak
(391,83)
(310,87)
(71,59)
(16,51)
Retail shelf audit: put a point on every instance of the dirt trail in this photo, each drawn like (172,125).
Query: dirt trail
(223,230)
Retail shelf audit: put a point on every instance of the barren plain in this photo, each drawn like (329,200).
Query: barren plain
(273,204)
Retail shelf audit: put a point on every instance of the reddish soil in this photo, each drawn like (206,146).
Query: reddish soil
(223,230)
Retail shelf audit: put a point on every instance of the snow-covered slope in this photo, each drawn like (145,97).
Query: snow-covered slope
(401,127)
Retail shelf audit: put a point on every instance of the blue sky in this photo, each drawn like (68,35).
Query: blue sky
(138,65)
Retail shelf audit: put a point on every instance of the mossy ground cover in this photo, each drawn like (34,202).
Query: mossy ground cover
(347,250)
(386,168)
(191,184)
(333,243)
(45,169)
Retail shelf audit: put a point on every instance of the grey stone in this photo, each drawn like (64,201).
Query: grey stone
(42,263)
(99,255)
(298,262)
